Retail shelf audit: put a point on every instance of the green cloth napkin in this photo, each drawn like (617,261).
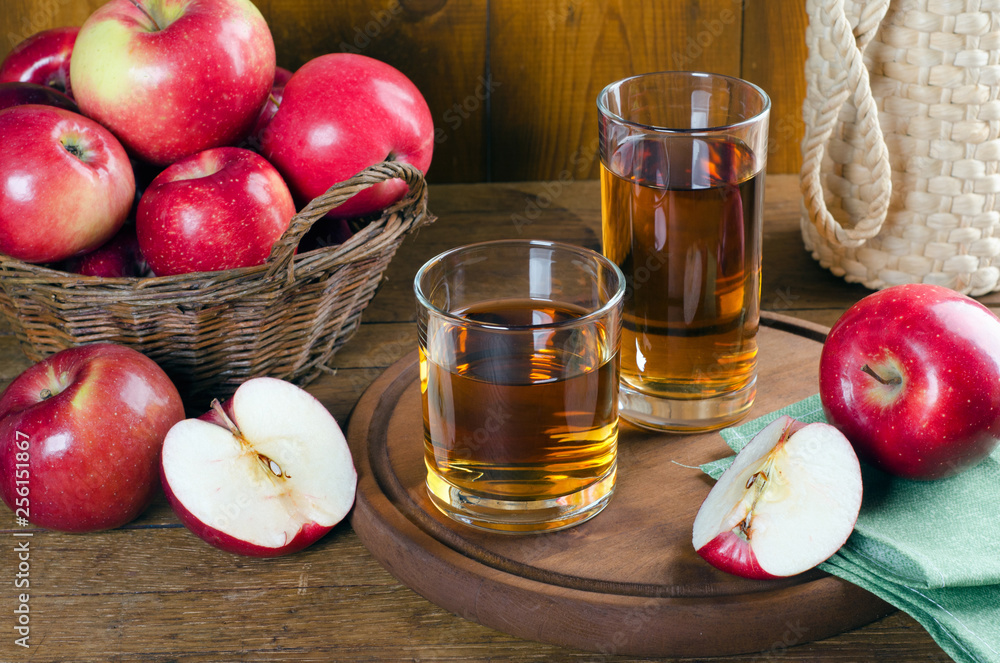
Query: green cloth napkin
(931,548)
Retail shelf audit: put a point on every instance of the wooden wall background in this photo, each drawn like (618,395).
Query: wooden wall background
(512,84)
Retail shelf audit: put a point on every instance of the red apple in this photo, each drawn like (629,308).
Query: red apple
(270,107)
(66,185)
(173,78)
(20,94)
(80,437)
(219,209)
(281,77)
(265,474)
(42,58)
(911,375)
(789,501)
(340,114)
(119,257)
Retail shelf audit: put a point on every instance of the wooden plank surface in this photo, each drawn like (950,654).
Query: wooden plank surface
(152,592)
(545,118)
(774,55)
(535,119)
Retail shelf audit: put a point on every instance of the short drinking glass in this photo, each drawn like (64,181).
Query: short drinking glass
(519,380)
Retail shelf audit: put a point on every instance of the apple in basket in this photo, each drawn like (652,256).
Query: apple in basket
(266,473)
(340,114)
(173,78)
(270,107)
(219,209)
(911,375)
(66,185)
(43,58)
(80,437)
(20,94)
(789,501)
(119,257)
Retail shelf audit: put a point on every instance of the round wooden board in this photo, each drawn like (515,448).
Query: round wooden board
(626,582)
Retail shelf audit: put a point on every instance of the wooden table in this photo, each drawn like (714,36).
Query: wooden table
(151,591)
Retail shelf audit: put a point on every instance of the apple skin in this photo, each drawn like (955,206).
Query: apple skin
(944,349)
(340,114)
(267,111)
(220,209)
(20,94)
(168,92)
(43,58)
(119,257)
(66,185)
(308,535)
(730,553)
(94,443)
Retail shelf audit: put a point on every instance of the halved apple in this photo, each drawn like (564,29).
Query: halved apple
(789,501)
(265,474)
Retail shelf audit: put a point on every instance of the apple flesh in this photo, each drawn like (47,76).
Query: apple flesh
(43,58)
(340,114)
(20,94)
(789,501)
(265,474)
(220,209)
(66,185)
(85,427)
(911,375)
(174,78)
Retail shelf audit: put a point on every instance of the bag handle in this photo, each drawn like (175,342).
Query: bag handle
(836,72)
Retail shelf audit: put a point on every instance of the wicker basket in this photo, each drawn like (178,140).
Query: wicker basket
(902,141)
(210,331)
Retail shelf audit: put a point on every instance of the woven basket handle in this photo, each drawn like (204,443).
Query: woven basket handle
(284,249)
(834,72)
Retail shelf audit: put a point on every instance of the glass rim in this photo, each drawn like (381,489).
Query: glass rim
(614,300)
(607,112)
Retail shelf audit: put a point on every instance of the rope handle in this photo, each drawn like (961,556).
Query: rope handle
(283,250)
(826,93)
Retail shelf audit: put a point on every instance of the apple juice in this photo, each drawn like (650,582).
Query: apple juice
(681,217)
(530,413)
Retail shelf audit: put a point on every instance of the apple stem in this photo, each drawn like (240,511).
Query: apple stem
(892,382)
(273,100)
(146,12)
(233,428)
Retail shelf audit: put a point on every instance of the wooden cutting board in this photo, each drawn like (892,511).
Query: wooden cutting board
(626,582)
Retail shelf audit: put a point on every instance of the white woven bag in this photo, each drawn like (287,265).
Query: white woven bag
(901,153)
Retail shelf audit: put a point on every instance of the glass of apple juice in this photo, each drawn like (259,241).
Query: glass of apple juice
(518,345)
(682,194)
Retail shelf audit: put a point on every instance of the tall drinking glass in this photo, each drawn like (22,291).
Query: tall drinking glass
(682,191)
